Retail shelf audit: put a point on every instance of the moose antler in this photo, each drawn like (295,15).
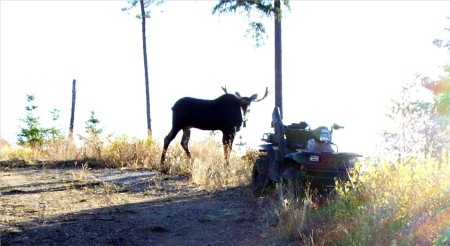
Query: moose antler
(265,95)
(224,88)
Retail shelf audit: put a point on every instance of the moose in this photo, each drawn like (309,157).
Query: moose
(226,113)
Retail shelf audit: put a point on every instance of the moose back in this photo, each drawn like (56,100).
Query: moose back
(226,113)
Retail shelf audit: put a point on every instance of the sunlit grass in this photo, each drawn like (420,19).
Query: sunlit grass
(383,204)
(207,167)
(387,204)
(211,171)
(132,152)
(57,150)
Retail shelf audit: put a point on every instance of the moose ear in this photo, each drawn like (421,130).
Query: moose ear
(237,94)
(253,97)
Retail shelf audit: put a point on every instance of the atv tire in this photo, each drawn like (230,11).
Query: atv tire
(293,180)
(260,176)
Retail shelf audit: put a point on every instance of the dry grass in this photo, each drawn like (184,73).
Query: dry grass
(387,204)
(132,152)
(207,167)
(58,150)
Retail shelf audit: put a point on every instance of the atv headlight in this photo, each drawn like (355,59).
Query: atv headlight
(313,158)
(325,137)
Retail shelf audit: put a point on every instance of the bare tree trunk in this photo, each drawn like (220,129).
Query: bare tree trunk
(278,59)
(147,90)
(72,114)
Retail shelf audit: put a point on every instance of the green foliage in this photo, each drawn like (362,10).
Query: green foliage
(441,43)
(419,126)
(265,8)
(33,134)
(147,6)
(441,90)
(92,125)
(53,133)
(92,143)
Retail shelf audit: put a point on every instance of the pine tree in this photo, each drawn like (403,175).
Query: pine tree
(32,134)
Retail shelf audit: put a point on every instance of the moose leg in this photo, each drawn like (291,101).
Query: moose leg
(185,141)
(227,141)
(172,134)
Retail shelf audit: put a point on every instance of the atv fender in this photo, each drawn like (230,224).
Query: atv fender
(296,157)
(273,159)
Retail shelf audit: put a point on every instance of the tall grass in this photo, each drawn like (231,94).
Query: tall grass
(207,167)
(386,204)
(57,150)
(123,151)
(383,204)
(211,171)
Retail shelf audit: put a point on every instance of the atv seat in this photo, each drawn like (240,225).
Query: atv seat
(297,138)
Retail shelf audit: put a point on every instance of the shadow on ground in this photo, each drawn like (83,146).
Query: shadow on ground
(221,217)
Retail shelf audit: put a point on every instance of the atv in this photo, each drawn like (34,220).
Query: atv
(297,155)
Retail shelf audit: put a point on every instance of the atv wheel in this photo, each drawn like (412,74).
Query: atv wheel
(293,180)
(260,176)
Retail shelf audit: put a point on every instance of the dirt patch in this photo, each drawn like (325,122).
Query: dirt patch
(68,206)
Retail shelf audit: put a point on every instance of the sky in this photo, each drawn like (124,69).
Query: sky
(342,63)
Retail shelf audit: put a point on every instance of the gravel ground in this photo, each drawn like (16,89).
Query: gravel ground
(70,206)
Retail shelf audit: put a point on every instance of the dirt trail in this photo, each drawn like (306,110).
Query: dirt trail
(113,207)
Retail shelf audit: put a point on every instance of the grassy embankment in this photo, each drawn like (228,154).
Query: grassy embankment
(207,167)
(386,204)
